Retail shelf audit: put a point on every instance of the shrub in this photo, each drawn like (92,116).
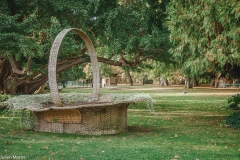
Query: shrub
(3,97)
(233,101)
(233,120)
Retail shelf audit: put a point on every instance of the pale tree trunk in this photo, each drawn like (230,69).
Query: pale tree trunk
(129,77)
(163,81)
(41,89)
(215,81)
(188,83)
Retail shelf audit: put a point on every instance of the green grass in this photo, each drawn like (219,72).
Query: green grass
(185,126)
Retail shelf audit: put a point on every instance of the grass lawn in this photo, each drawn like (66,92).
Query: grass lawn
(184,126)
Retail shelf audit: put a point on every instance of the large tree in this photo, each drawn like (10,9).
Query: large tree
(27,31)
(206,36)
(127,33)
(132,32)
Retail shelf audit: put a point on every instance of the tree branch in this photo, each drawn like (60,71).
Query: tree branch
(136,59)
(2,62)
(110,62)
(15,68)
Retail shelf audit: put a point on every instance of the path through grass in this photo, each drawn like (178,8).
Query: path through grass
(184,126)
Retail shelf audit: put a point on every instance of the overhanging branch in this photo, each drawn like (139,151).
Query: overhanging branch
(15,68)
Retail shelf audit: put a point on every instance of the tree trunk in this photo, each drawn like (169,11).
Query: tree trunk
(213,82)
(5,71)
(188,83)
(159,80)
(129,77)
(163,82)
(12,83)
(21,83)
(41,89)
(196,82)
(216,80)
(115,79)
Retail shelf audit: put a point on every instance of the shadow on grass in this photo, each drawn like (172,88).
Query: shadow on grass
(146,130)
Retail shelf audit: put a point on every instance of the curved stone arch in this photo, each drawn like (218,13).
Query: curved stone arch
(52,64)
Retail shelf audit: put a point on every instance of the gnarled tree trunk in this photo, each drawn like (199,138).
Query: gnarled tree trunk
(17,83)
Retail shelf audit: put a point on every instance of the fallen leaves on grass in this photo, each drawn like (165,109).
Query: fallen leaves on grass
(175,157)
(213,143)
(45,147)
(195,147)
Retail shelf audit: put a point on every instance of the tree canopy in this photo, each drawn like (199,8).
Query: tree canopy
(205,34)
(200,37)
(125,33)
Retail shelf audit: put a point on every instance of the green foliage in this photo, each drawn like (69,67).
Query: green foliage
(29,28)
(132,30)
(129,28)
(3,97)
(205,35)
(233,120)
(106,70)
(72,74)
(233,101)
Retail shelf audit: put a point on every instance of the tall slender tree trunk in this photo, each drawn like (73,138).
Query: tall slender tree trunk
(129,77)
(215,81)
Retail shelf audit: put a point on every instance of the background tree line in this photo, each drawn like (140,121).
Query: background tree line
(199,38)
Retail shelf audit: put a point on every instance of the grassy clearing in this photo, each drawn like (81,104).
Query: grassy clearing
(185,126)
